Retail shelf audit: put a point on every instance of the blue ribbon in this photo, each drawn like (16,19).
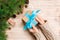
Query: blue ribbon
(31,20)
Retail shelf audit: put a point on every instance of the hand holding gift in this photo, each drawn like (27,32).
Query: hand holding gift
(32,21)
(32,18)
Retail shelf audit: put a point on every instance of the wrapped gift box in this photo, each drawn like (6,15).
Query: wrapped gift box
(29,19)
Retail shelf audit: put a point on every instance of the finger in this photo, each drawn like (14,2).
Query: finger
(35,29)
(38,20)
(40,17)
(31,30)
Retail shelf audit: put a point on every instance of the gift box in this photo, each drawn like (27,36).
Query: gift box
(29,19)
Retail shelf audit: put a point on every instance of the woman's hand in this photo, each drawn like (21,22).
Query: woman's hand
(40,20)
(34,29)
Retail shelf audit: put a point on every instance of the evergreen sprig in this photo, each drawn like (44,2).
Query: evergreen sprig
(7,9)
